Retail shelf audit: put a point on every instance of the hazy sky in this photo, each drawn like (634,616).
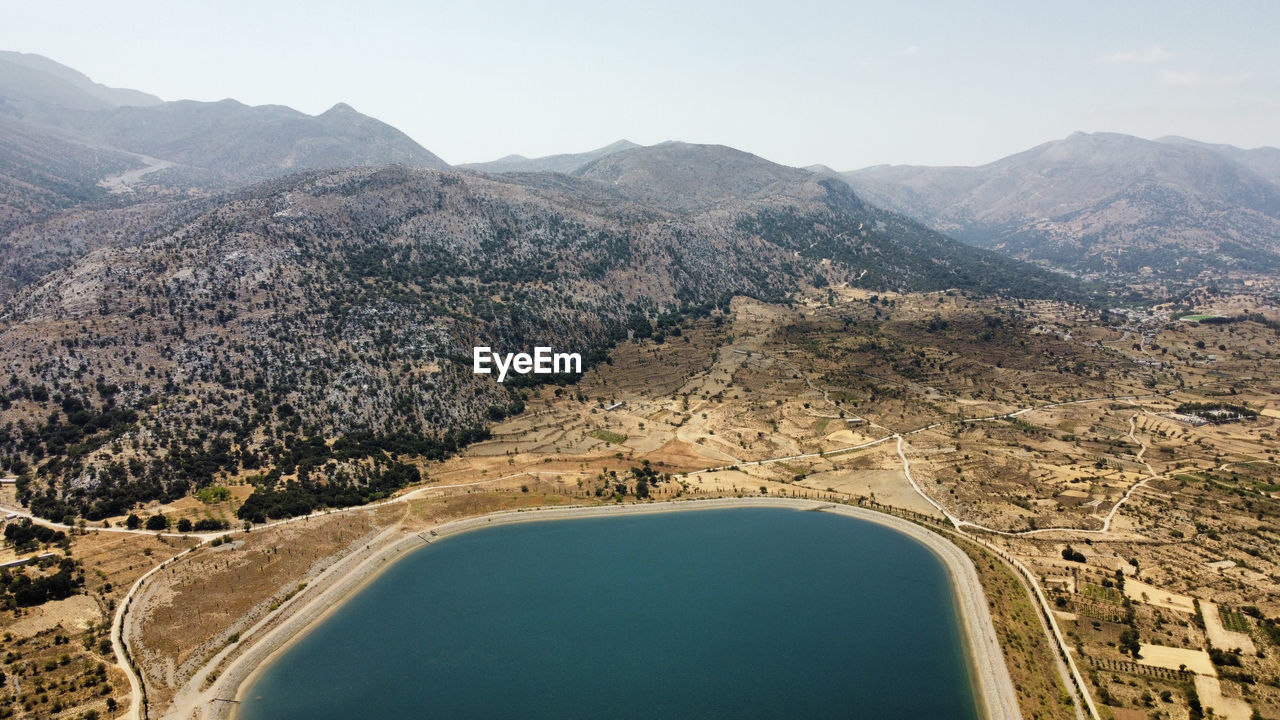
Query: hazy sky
(846,84)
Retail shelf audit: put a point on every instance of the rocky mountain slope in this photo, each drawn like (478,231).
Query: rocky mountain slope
(1265,161)
(1101,203)
(108,161)
(43,173)
(317,329)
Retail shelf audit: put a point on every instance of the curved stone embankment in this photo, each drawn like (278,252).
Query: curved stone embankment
(995,691)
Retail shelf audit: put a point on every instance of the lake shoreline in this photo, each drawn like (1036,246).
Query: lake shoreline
(992,687)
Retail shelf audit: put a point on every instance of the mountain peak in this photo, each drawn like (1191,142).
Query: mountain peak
(562,163)
(1098,139)
(692,176)
(619,146)
(340,109)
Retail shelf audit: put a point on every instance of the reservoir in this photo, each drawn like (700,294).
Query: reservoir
(743,613)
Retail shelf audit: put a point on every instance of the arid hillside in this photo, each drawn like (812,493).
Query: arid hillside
(341,307)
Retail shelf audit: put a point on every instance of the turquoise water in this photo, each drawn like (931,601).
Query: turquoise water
(739,613)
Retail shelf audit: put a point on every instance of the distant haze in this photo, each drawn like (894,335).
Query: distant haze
(840,83)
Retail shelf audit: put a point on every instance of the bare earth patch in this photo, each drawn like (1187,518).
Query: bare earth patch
(1197,661)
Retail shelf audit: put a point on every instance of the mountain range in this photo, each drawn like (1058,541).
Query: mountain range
(1103,203)
(1096,205)
(197,290)
(67,140)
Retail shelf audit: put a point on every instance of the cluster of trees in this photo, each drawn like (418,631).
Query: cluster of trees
(203,525)
(73,427)
(645,476)
(189,463)
(155,523)
(1269,626)
(1072,554)
(1130,641)
(213,494)
(1253,317)
(25,536)
(274,500)
(936,323)
(19,390)
(1225,658)
(160,523)
(19,589)
(358,468)
(1217,412)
